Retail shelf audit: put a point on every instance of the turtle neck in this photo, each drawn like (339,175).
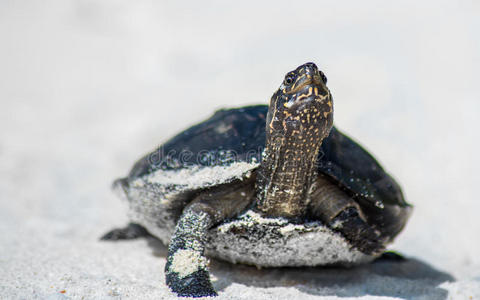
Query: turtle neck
(285,176)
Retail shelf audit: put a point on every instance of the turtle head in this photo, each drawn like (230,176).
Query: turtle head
(301,109)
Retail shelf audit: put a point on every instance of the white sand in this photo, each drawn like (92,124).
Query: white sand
(86,87)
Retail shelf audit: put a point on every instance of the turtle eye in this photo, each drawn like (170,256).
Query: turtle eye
(289,79)
(324,78)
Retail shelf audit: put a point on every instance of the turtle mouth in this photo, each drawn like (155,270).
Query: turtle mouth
(304,82)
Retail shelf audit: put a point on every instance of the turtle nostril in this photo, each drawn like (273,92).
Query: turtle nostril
(311,68)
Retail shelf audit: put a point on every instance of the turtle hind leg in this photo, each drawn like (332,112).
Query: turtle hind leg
(130,232)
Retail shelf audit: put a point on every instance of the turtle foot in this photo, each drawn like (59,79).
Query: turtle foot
(194,285)
(358,232)
(391,256)
(132,231)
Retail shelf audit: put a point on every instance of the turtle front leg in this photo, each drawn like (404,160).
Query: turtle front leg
(186,269)
(341,213)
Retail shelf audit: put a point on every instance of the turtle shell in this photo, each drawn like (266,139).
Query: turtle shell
(238,136)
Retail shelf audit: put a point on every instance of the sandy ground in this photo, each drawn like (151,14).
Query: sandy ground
(86,87)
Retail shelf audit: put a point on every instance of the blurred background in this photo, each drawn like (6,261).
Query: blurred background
(87,87)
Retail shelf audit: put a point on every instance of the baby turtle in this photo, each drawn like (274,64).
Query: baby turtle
(268,186)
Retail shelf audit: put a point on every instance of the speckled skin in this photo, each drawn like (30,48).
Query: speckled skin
(292,192)
(299,119)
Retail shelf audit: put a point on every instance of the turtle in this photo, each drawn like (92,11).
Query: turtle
(273,185)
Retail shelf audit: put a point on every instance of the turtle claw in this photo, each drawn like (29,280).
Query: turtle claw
(194,285)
